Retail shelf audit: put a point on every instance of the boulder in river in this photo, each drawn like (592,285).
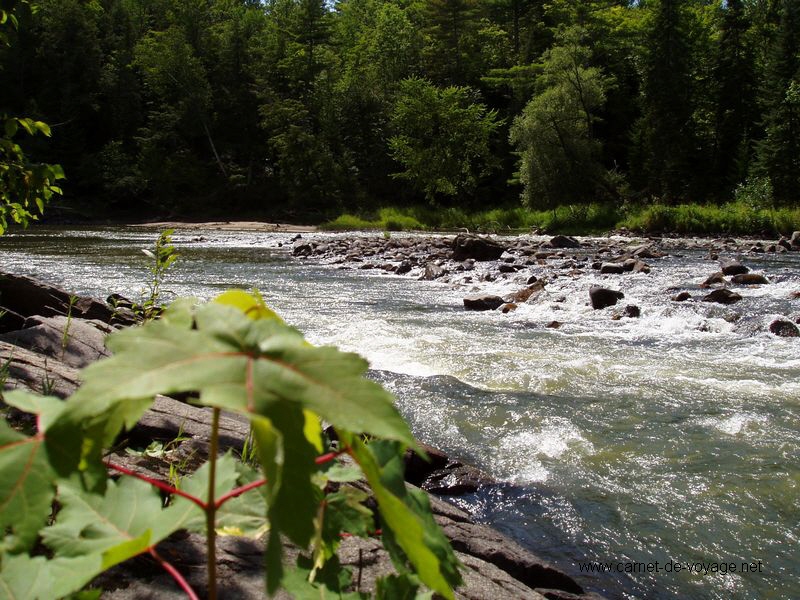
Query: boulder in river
(795,240)
(526,294)
(682,297)
(733,267)
(646,251)
(749,279)
(433,271)
(563,241)
(601,297)
(612,268)
(722,296)
(632,311)
(479,248)
(784,328)
(403,268)
(713,279)
(483,302)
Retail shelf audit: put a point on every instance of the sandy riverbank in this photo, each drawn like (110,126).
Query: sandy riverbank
(232,226)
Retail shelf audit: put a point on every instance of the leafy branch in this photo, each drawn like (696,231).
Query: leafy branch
(233,354)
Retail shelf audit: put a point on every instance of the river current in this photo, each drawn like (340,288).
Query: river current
(673,438)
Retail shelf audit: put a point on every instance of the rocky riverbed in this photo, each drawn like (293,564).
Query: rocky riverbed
(531,264)
(47,335)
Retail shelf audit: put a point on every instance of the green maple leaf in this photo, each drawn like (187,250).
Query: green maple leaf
(27,482)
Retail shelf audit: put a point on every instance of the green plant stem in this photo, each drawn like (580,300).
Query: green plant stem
(211,508)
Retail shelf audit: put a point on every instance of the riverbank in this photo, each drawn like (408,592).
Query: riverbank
(230,226)
(735,218)
(51,334)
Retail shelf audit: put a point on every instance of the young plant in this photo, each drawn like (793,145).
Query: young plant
(237,355)
(65,334)
(163,256)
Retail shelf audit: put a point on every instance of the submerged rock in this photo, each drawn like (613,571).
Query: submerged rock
(714,279)
(632,311)
(526,294)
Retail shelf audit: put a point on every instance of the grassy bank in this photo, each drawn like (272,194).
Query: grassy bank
(686,219)
(593,218)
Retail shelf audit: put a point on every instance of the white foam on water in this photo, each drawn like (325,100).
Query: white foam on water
(737,424)
(521,455)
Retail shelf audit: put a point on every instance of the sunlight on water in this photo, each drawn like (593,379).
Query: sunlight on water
(675,436)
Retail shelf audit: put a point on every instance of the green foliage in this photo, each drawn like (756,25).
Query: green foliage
(442,138)
(779,151)
(163,256)
(591,218)
(554,134)
(756,193)
(234,354)
(25,186)
(696,219)
(302,110)
(387,219)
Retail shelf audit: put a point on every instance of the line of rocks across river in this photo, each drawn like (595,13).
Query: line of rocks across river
(532,262)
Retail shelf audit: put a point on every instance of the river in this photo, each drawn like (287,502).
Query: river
(673,438)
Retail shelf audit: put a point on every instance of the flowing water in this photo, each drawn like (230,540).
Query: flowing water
(674,437)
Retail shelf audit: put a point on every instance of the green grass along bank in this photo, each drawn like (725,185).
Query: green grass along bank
(735,218)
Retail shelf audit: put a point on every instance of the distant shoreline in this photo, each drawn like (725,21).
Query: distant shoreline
(231,226)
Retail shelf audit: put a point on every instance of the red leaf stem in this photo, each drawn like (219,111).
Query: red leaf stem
(159,484)
(184,585)
(344,534)
(239,491)
(321,460)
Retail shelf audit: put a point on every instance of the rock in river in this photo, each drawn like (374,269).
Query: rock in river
(733,267)
(722,296)
(563,241)
(602,297)
(471,246)
(784,328)
(612,268)
(749,279)
(483,302)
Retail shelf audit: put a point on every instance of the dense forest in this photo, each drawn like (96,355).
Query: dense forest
(313,107)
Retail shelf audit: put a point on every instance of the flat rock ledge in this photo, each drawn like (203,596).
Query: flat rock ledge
(44,353)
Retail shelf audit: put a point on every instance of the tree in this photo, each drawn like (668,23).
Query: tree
(554,135)
(735,110)
(25,186)
(451,26)
(664,146)
(442,138)
(779,151)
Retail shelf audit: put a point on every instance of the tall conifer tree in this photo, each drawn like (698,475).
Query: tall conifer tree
(779,151)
